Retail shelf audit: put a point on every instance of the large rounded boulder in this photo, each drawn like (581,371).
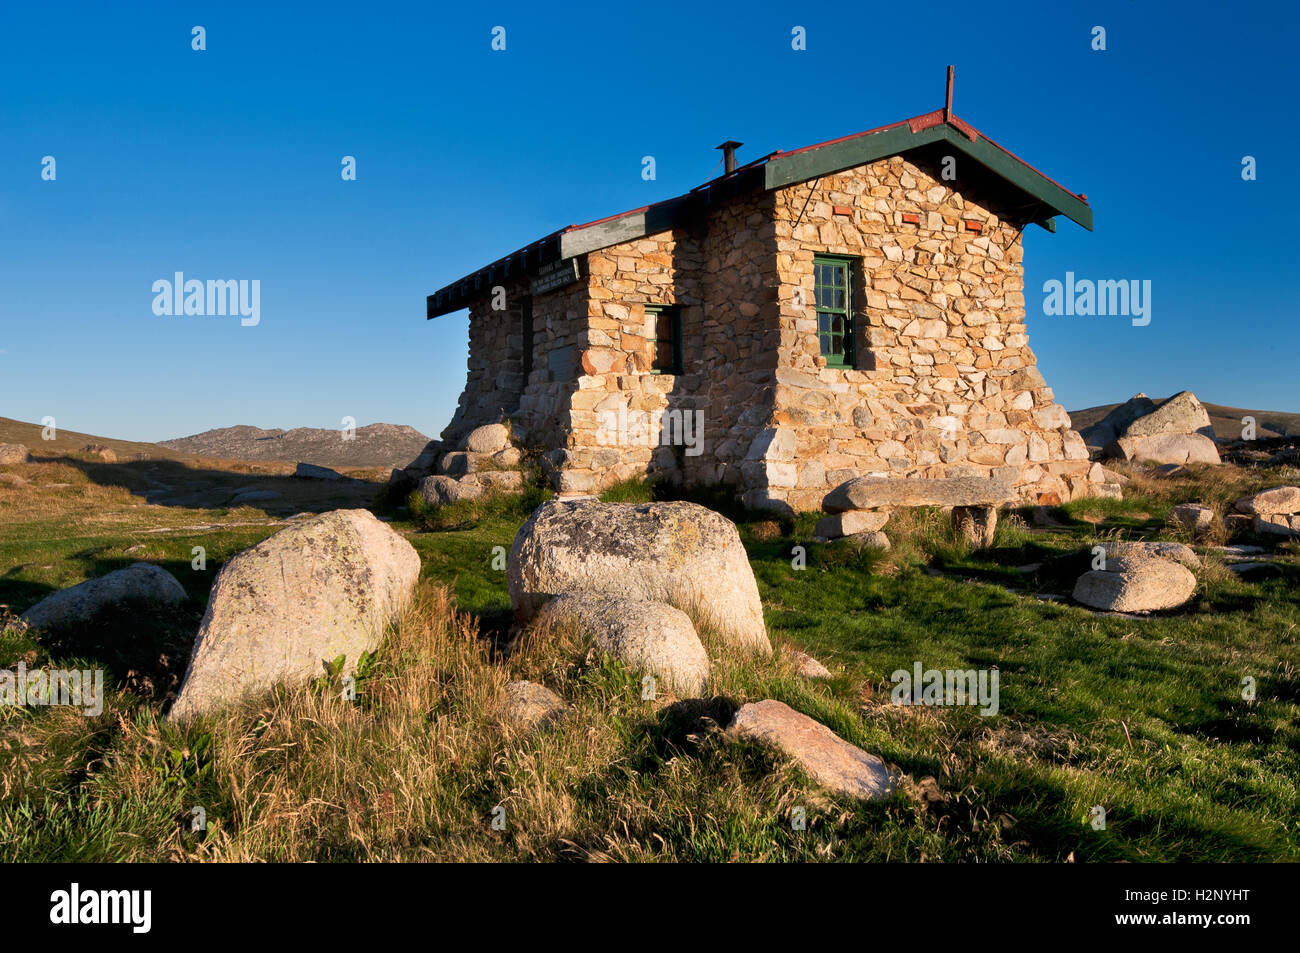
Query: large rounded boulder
(679,553)
(80,603)
(283,610)
(649,637)
(1136,582)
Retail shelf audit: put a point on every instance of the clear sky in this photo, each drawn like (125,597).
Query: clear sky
(225,164)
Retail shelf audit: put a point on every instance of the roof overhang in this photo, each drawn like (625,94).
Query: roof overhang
(791,167)
(940,129)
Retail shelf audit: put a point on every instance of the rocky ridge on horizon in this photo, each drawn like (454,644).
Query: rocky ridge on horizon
(374,445)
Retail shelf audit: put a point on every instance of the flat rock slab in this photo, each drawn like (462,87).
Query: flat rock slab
(680,553)
(530,705)
(81,602)
(871,493)
(650,637)
(823,755)
(289,606)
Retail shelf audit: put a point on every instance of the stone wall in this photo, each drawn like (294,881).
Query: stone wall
(944,382)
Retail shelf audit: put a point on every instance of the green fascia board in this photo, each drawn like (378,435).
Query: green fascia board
(838,156)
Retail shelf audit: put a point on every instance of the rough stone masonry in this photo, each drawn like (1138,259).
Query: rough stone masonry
(940,380)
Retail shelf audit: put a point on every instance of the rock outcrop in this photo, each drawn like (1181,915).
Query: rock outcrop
(1177,431)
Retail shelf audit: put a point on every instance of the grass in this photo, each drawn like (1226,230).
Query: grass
(1142,716)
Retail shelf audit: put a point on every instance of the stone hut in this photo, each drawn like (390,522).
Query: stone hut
(853,308)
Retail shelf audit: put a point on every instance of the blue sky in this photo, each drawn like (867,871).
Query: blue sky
(226,164)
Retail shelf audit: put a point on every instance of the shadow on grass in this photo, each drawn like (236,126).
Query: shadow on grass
(170,483)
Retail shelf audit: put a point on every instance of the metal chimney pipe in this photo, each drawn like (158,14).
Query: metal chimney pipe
(729,154)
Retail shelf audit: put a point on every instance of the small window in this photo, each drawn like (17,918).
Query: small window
(834,296)
(666,342)
(526,317)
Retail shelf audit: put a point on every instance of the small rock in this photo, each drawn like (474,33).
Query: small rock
(1195,517)
(312,472)
(441,490)
(507,458)
(530,705)
(505,481)
(11,453)
(807,666)
(869,540)
(1244,568)
(977,525)
(402,481)
(254,496)
(459,463)
(823,755)
(488,439)
(851,522)
(105,454)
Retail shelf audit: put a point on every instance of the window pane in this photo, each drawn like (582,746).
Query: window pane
(823,322)
(836,343)
(837,324)
(664,326)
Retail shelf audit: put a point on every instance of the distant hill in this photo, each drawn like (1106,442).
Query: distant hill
(375,445)
(70,441)
(1226,420)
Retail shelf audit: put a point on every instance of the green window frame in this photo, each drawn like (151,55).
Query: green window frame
(833,299)
(665,339)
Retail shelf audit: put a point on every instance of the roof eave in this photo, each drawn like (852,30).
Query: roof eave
(791,168)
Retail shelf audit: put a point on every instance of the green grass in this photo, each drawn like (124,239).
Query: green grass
(1142,716)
